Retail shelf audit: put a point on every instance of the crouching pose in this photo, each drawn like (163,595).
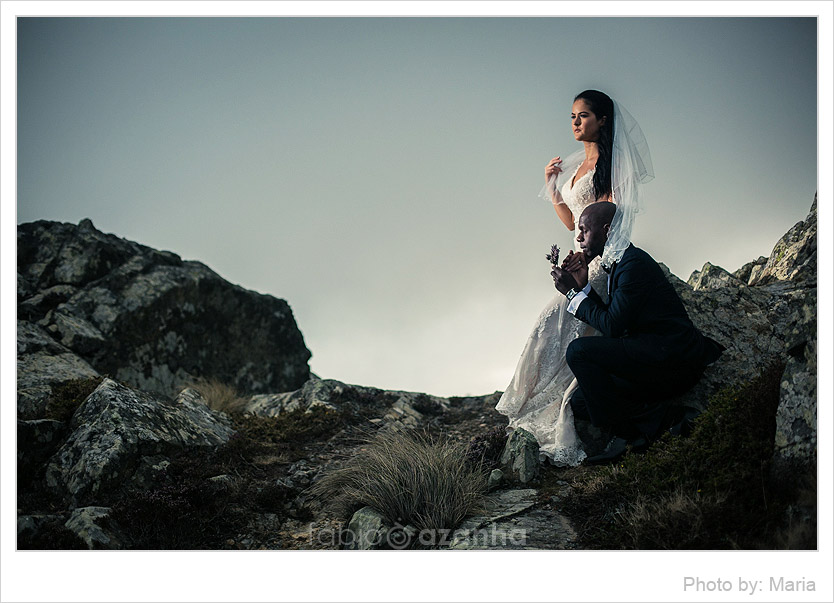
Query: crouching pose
(649,351)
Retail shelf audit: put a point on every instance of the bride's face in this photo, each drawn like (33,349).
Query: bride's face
(584,122)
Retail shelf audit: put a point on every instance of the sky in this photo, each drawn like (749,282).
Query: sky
(381,174)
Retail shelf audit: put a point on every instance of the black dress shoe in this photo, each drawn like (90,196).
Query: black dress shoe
(615,448)
(687,421)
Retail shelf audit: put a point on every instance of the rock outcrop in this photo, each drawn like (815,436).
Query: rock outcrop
(796,417)
(794,258)
(92,303)
(401,409)
(86,523)
(711,277)
(43,363)
(116,428)
(763,313)
(515,519)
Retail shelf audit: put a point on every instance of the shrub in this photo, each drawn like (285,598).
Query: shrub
(182,515)
(53,536)
(219,396)
(680,520)
(710,490)
(487,447)
(410,478)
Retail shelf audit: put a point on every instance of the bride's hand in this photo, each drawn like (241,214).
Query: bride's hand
(553,167)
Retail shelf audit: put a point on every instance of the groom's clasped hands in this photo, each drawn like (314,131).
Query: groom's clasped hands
(573,274)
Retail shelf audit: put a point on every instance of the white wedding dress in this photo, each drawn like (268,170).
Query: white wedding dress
(537,398)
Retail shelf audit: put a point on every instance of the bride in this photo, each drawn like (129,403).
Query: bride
(614,162)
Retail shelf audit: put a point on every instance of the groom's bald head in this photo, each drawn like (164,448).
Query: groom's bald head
(599,214)
(594,224)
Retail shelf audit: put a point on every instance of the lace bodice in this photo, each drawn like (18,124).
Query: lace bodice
(580,196)
(577,199)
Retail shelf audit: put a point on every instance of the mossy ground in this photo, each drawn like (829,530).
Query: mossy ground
(67,397)
(186,510)
(711,490)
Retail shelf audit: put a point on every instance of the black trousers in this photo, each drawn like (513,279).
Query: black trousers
(623,393)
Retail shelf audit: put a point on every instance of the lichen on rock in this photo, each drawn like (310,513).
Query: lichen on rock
(115,427)
(149,318)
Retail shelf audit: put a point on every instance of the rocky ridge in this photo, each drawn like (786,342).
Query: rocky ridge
(92,304)
(79,291)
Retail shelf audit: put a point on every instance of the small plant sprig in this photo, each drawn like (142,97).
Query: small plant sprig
(553,256)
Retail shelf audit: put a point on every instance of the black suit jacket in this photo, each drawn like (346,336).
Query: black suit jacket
(646,312)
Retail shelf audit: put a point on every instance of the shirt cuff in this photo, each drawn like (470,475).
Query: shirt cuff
(573,306)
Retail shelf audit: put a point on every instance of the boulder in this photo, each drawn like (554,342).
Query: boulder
(326,393)
(34,306)
(796,417)
(520,458)
(496,476)
(43,363)
(750,271)
(150,319)
(115,427)
(367,530)
(737,317)
(399,408)
(794,257)
(711,277)
(150,471)
(90,525)
(53,253)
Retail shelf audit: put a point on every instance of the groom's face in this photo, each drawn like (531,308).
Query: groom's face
(591,235)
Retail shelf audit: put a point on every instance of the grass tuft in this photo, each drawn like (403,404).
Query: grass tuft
(219,396)
(410,478)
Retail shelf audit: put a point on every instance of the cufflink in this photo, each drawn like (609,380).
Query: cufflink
(571,294)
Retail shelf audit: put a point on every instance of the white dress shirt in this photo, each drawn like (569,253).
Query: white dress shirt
(583,295)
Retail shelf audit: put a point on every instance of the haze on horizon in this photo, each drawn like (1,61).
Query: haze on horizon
(380,174)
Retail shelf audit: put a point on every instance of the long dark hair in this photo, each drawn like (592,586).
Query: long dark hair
(602,106)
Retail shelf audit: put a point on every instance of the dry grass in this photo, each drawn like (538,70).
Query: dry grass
(410,478)
(219,396)
(711,490)
(684,516)
(799,531)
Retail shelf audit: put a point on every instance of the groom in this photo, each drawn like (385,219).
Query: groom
(649,351)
